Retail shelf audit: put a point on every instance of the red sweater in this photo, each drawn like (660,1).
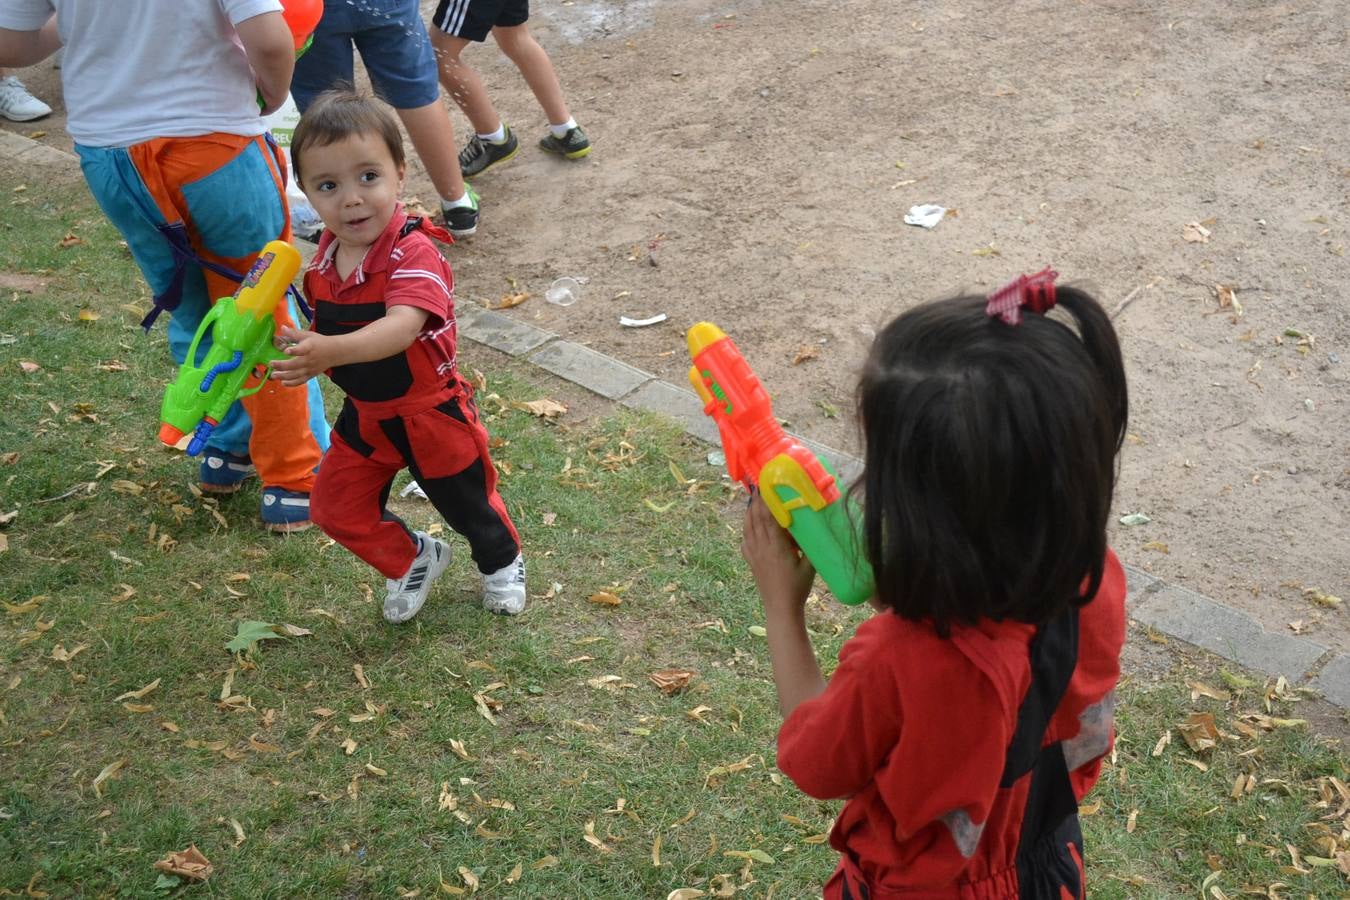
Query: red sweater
(914,729)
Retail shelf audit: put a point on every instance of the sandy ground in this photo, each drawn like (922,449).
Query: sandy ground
(753,162)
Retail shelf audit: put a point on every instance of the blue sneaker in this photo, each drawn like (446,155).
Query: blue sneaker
(285,511)
(224,473)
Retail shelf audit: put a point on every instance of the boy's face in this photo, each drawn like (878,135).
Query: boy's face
(354,185)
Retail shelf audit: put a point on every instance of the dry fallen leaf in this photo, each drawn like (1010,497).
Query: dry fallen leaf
(805,352)
(61,654)
(507,301)
(593,840)
(1322,598)
(1200,689)
(187,863)
(238,829)
(349,746)
(460,751)
(546,409)
(257,745)
(604,598)
(671,681)
(360,672)
(1199,732)
(137,694)
(109,771)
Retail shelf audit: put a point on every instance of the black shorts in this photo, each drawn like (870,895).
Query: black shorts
(473,19)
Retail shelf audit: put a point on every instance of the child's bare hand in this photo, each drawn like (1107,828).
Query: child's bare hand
(311,354)
(783,574)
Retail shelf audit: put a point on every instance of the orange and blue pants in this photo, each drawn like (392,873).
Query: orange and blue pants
(221,197)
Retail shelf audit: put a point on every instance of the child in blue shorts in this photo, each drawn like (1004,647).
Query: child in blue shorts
(393,43)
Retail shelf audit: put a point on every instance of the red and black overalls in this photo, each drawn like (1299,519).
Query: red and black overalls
(411,410)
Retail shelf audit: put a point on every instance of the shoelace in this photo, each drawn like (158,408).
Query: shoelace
(472,150)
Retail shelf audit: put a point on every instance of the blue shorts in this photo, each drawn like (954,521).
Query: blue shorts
(392,40)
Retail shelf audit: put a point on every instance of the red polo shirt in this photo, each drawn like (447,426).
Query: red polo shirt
(403,267)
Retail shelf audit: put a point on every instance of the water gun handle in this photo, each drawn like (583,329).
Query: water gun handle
(201,436)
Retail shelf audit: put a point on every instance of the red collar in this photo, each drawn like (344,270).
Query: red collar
(377,255)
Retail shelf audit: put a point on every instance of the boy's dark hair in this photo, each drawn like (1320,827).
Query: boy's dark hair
(990,455)
(340,114)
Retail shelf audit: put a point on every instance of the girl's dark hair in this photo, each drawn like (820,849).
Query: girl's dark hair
(990,459)
(340,114)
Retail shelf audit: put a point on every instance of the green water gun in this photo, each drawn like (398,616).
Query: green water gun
(241,329)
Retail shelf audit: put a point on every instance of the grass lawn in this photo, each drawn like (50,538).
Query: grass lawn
(464,753)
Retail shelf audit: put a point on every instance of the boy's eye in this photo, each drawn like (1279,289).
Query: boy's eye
(367,177)
(326,185)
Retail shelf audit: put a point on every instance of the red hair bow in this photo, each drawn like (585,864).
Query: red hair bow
(1033,292)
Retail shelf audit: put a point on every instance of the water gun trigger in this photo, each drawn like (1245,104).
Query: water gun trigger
(784,471)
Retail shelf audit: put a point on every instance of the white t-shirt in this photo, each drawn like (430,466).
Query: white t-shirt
(140,69)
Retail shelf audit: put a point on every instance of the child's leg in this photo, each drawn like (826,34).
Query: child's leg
(349,499)
(433,137)
(462,83)
(447,451)
(536,67)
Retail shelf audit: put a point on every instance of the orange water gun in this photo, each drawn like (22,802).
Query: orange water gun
(798,487)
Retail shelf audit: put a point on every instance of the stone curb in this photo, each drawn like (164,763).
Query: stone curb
(1167,608)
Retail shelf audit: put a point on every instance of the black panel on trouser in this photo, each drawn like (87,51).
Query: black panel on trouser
(387,516)
(462,500)
(348,427)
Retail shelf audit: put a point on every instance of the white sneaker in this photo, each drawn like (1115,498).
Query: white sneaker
(17,105)
(407,594)
(504,590)
(413,489)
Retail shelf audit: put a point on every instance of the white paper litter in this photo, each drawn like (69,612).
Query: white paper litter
(925,215)
(414,489)
(641,323)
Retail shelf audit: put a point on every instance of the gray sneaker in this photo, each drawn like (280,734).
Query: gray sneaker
(504,590)
(573,145)
(407,594)
(479,155)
